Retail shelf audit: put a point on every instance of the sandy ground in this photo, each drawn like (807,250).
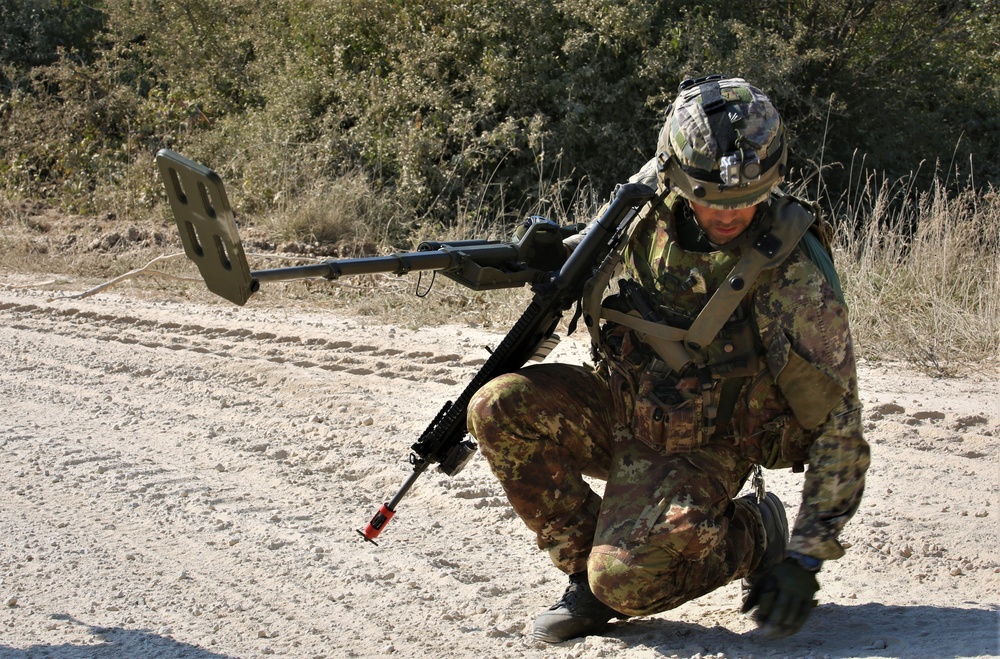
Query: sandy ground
(185,480)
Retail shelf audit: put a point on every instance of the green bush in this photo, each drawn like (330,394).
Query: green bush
(495,108)
(32,32)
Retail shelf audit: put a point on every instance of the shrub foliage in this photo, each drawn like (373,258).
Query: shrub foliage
(494,108)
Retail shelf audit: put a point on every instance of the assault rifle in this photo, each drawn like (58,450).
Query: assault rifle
(536,258)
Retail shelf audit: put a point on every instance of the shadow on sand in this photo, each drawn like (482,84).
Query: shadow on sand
(112,643)
(865,630)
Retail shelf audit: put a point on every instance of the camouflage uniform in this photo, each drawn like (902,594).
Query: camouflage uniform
(668,529)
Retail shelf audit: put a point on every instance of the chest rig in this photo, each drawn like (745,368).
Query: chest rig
(686,306)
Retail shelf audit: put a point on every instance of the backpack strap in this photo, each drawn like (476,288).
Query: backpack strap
(593,289)
(678,347)
(818,244)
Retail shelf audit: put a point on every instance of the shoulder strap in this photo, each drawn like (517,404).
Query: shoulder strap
(818,254)
(818,245)
(790,222)
(677,347)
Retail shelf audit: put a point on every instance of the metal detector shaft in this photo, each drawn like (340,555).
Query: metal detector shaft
(397,264)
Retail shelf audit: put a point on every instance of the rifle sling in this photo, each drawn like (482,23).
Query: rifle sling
(769,249)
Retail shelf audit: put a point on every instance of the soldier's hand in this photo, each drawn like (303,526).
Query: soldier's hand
(783,598)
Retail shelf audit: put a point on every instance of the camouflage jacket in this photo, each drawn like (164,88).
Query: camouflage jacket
(792,395)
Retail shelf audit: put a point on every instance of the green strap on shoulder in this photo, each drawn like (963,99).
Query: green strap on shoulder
(814,249)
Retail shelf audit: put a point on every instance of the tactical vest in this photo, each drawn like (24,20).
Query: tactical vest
(678,344)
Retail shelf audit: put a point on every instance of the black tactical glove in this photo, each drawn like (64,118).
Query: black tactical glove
(784,598)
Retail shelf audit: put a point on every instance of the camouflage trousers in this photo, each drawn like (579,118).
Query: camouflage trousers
(666,529)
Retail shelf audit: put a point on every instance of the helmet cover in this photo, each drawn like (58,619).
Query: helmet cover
(722,144)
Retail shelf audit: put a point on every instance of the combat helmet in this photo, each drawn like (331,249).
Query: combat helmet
(722,144)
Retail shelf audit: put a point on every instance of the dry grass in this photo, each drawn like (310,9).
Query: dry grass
(921,272)
(337,211)
(922,276)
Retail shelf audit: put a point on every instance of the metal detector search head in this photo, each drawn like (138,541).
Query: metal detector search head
(207,226)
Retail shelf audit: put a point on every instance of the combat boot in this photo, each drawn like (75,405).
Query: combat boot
(577,613)
(772,514)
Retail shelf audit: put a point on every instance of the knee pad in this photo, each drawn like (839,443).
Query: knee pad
(631,585)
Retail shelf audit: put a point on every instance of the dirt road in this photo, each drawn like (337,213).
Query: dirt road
(185,480)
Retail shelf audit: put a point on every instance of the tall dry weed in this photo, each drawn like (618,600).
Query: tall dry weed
(921,274)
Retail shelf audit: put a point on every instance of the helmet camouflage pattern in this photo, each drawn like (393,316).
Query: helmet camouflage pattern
(723,143)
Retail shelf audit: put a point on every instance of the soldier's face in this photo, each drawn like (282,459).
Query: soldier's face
(720,225)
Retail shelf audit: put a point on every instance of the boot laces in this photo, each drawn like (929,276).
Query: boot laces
(572,593)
